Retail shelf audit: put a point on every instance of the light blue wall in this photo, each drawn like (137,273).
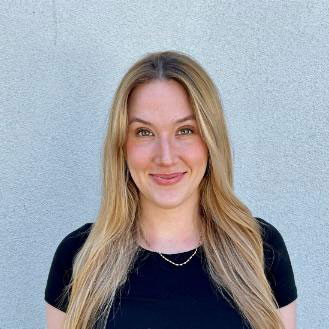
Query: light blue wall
(60,62)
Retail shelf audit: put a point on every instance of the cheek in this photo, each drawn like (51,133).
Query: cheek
(199,155)
(137,157)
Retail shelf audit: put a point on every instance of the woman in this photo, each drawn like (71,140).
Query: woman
(172,246)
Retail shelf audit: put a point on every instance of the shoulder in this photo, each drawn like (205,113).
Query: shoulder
(268,230)
(69,246)
(273,242)
(61,267)
(73,241)
(79,234)
(272,238)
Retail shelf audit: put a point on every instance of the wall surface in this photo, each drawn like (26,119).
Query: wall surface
(60,62)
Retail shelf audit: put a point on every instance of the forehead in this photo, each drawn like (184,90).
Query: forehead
(159,101)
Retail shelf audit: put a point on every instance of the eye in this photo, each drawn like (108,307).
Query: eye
(141,130)
(188,129)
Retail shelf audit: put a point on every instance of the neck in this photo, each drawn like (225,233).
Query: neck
(171,230)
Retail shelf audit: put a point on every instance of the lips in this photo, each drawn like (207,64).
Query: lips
(167,179)
(168,176)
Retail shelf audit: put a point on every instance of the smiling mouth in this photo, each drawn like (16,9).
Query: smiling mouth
(168,176)
(159,179)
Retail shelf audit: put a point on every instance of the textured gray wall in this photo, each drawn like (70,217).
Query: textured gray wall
(60,64)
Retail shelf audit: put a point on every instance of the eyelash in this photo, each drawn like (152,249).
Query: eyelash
(142,129)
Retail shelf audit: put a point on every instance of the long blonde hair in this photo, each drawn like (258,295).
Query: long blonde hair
(232,240)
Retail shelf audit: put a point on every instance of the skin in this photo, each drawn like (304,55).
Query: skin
(170,214)
(288,315)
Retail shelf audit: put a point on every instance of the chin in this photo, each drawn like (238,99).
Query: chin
(167,202)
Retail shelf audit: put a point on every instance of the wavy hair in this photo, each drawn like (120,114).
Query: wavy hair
(232,238)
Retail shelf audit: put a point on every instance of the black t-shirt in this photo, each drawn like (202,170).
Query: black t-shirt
(159,295)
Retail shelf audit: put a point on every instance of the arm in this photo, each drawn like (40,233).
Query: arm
(55,317)
(288,315)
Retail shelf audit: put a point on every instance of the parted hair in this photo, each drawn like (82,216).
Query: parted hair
(232,239)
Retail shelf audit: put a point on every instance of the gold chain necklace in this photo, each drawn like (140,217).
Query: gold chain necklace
(168,260)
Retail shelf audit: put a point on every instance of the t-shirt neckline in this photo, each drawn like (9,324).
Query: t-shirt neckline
(174,254)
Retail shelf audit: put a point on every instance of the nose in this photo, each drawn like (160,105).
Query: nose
(165,153)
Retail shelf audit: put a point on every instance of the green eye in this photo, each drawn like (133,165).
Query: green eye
(141,130)
(145,130)
(187,129)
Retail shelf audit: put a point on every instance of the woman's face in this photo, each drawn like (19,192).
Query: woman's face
(164,143)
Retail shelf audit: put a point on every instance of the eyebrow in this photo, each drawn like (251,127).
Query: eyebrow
(189,117)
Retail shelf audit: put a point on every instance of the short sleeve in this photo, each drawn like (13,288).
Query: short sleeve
(278,267)
(61,268)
